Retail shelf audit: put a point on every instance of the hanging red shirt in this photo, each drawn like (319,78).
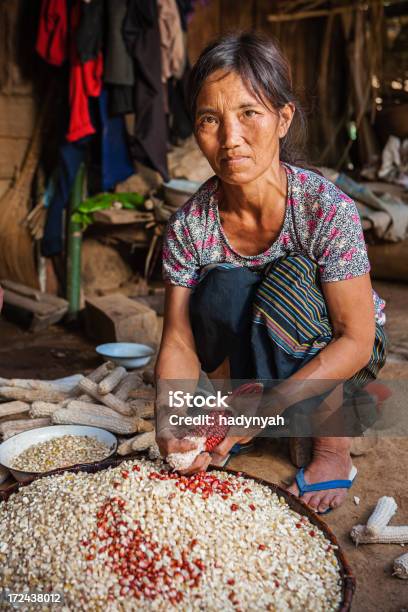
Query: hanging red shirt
(85,79)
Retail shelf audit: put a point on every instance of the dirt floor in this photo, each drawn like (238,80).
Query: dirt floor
(59,352)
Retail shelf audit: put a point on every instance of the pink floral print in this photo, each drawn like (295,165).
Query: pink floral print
(321,222)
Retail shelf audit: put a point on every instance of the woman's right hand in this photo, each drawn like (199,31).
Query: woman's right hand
(168,443)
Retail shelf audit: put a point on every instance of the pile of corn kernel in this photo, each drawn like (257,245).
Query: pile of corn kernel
(140,537)
(60,452)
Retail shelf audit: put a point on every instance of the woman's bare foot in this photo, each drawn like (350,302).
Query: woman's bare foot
(331,461)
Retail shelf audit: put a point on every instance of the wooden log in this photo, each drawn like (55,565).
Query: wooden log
(116,318)
(36,312)
(121,216)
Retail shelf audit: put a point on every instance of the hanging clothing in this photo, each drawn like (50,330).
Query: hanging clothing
(71,156)
(85,78)
(116,164)
(118,62)
(112,155)
(185,8)
(142,37)
(52,35)
(180,124)
(89,35)
(119,70)
(85,81)
(173,52)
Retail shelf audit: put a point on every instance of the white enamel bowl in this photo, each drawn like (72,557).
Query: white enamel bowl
(18,443)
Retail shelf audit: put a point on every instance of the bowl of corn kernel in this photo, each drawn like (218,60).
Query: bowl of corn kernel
(56,447)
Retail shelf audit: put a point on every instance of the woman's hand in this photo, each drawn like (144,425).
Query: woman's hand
(168,443)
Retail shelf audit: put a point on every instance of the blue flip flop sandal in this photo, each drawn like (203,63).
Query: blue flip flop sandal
(322,486)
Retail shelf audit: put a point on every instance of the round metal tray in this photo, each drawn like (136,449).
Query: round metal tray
(348,580)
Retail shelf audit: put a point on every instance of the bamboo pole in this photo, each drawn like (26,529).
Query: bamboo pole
(74,246)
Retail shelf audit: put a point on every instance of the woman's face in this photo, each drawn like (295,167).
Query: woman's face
(237,134)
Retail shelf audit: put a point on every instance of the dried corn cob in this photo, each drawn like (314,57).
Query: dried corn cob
(144,393)
(44,409)
(127,385)
(9,408)
(144,441)
(80,398)
(83,413)
(389,535)
(96,376)
(102,371)
(143,409)
(137,443)
(386,508)
(11,428)
(109,400)
(401,567)
(4,474)
(32,395)
(111,381)
(148,376)
(64,385)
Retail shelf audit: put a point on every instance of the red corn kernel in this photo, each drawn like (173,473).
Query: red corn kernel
(231,581)
(247,490)
(312,533)
(277,583)
(234,507)
(261,547)
(298,525)
(252,506)
(125,474)
(90,557)
(135,468)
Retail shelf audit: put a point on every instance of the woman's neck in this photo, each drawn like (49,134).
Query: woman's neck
(254,197)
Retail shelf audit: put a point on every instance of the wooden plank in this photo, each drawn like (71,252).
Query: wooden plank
(237,18)
(17,116)
(122,216)
(204,26)
(12,152)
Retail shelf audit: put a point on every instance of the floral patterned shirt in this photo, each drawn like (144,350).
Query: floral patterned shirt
(321,222)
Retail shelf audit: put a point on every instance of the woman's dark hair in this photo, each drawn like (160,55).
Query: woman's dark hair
(264,69)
